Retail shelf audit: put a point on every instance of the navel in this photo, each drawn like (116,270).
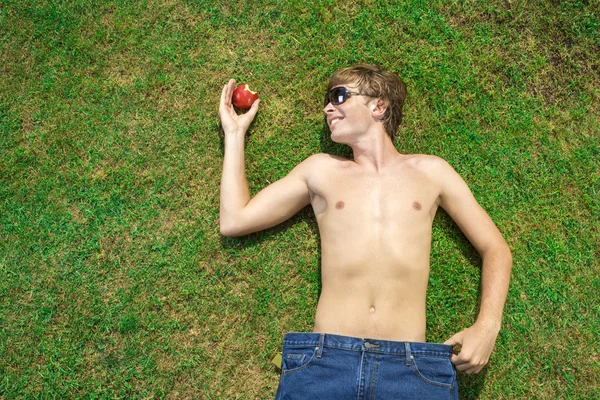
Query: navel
(417,205)
(339,205)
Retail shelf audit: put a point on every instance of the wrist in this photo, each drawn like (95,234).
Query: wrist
(490,324)
(235,138)
(239,132)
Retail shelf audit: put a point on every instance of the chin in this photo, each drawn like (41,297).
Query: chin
(341,139)
(336,137)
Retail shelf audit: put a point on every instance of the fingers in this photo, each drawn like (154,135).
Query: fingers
(227,93)
(454,340)
(476,345)
(468,367)
(469,363)
(465,361)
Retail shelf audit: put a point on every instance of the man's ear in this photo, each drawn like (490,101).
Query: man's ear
(378,108)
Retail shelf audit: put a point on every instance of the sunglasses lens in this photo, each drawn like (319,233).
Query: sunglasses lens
(336,96)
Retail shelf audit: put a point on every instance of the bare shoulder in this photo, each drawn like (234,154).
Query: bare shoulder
(323,158)
(429,164)
(319,163)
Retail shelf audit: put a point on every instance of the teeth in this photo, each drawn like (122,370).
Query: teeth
(335,121)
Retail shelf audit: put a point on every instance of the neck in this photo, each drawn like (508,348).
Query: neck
(374,150)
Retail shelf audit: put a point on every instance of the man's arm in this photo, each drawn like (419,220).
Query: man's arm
(478,340)
(240,215)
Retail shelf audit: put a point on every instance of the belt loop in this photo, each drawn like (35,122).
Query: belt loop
(408,354)
(321,343)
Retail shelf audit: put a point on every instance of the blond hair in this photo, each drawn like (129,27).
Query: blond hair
(374,81)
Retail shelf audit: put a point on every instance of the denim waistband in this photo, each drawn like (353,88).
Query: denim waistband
(366,344)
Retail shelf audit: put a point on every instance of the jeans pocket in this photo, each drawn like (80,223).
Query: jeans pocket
(437,371)
(297,358)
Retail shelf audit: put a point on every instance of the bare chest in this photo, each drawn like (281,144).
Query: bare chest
(394,196)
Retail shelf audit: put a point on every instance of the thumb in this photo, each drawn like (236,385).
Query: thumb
(454,340)
(253,109)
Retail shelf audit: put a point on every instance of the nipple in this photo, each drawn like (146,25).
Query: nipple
(372,310)
(339,205)
(416,205)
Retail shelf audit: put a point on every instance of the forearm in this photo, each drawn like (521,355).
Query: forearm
(495,279)
(234,193)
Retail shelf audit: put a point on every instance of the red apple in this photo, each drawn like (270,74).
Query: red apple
(243,97)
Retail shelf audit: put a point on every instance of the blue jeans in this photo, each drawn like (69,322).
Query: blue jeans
(319,366)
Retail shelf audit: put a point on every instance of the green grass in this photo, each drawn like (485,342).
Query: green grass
(114,279)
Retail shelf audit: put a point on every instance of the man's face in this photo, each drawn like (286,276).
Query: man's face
(351,119)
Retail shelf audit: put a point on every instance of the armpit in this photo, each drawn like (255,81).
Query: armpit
(319,204)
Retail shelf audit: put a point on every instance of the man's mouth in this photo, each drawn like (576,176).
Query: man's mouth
(335,121)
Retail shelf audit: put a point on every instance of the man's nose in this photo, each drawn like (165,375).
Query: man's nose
(328,109)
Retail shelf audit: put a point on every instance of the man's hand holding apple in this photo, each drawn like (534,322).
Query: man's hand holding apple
(232,122)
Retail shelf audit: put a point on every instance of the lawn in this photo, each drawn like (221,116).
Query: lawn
(114,279)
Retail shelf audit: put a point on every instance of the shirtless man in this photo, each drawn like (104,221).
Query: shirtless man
(375,215)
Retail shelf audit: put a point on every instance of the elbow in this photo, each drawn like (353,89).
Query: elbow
(507,254)
(509,257)
(499,254)
(227,230)
(230,229)
(235,225)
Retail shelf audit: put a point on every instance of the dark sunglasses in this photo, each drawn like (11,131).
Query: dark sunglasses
(340,94)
